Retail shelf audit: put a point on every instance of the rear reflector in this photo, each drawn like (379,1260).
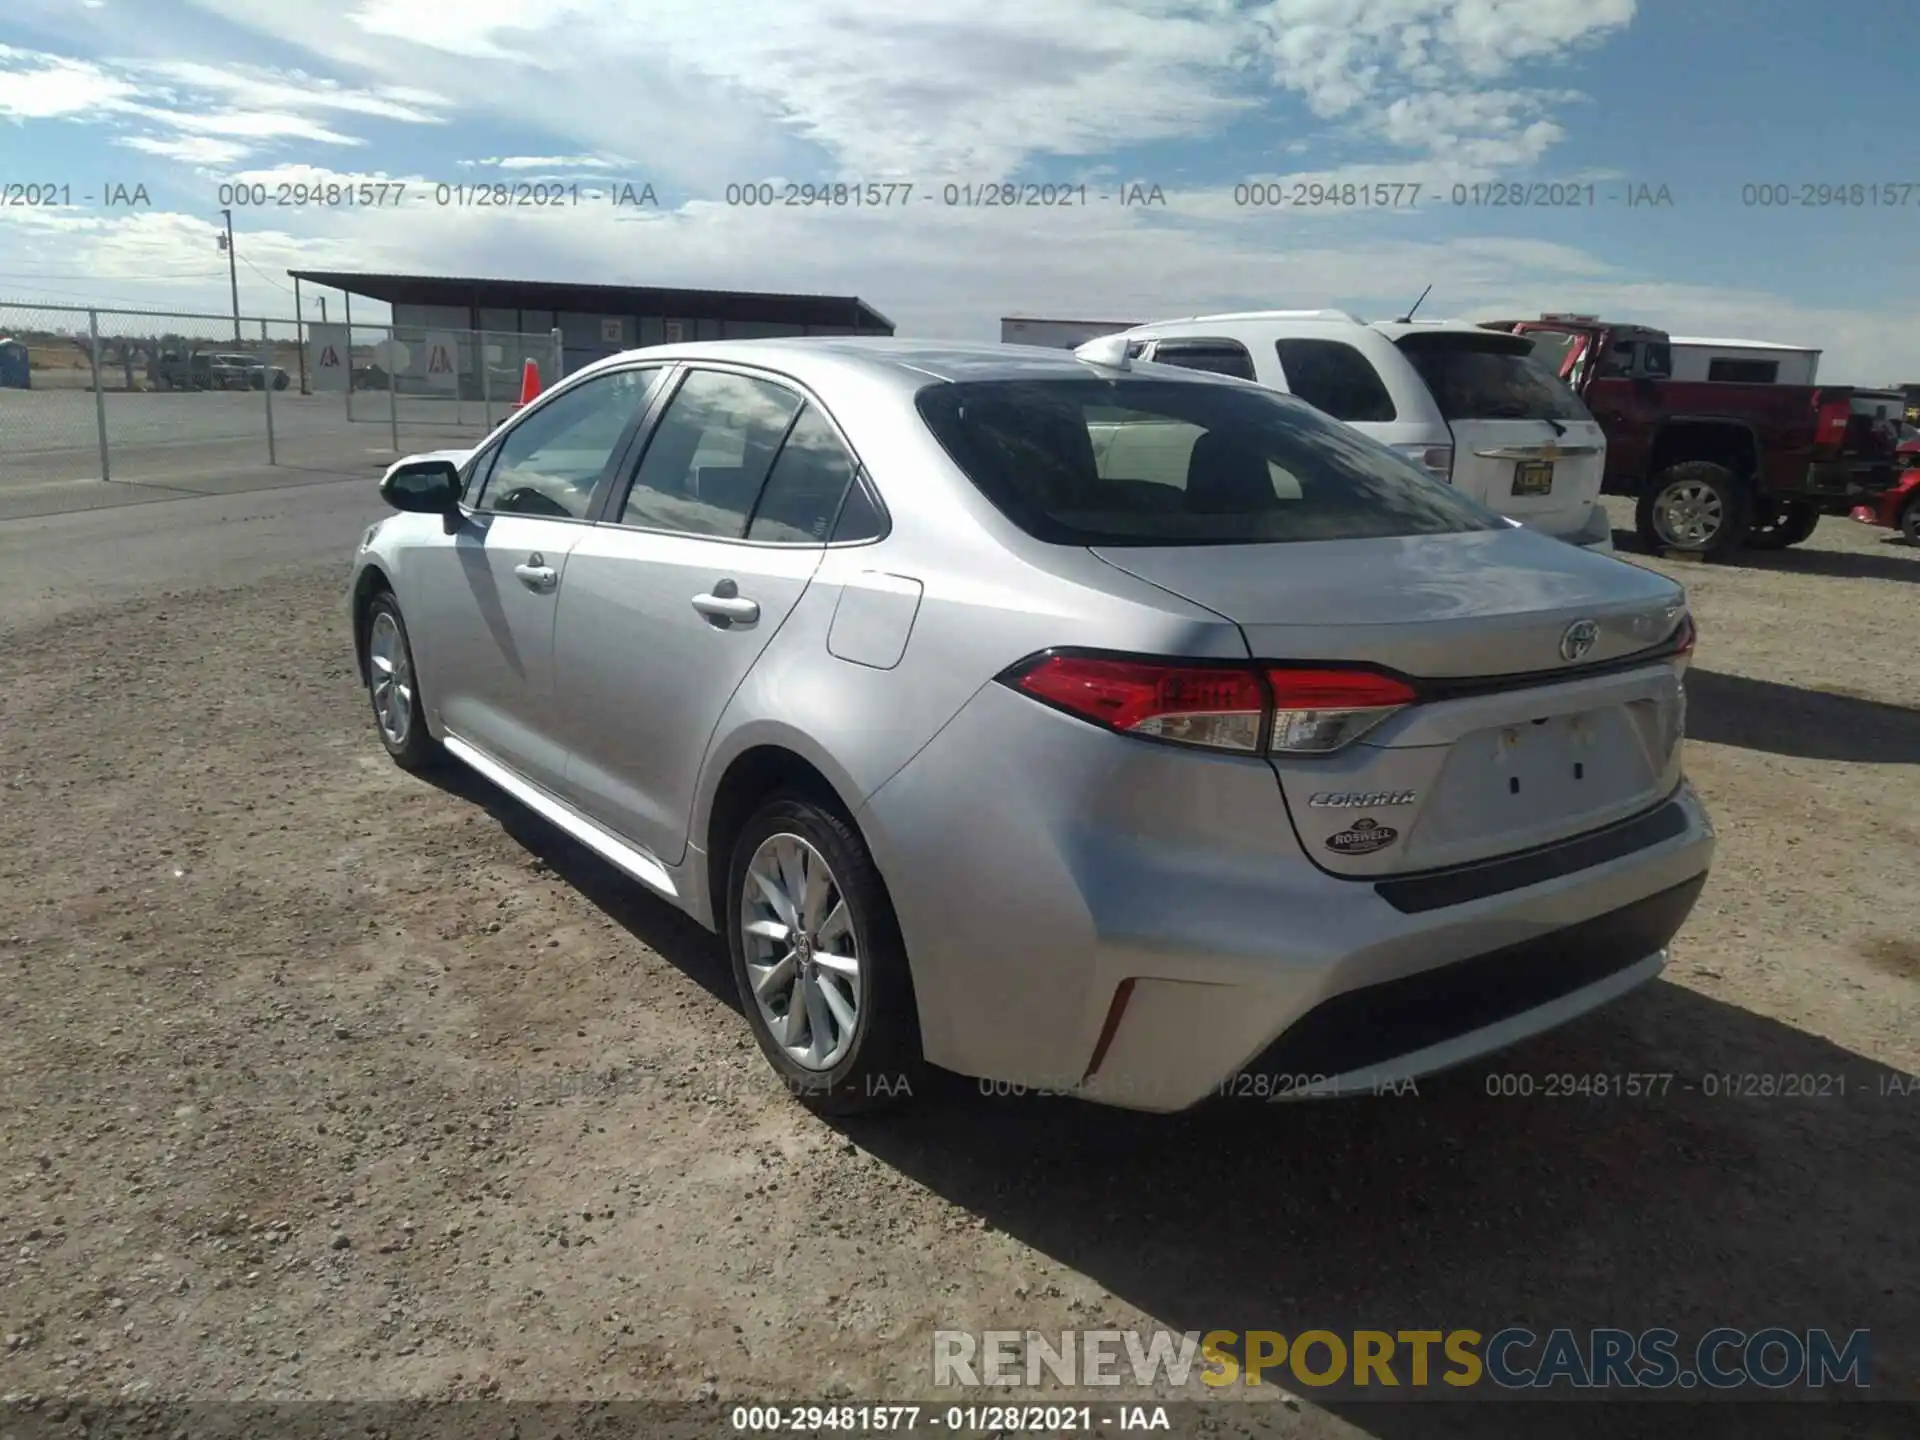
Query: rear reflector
(1300,710)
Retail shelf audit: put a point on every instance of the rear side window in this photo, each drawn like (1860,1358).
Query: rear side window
(709,455)
(1744,372)
(1474,377)
(804,489)
(1335,379)
(1134,461)
(1216,357)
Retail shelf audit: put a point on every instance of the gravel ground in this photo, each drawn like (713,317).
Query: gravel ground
(322,1081)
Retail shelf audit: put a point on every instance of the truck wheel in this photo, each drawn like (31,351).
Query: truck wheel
(1696,507)
(1910,521)
(1790,522)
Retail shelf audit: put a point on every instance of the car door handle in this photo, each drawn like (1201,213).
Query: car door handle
(536,576)
(729,609)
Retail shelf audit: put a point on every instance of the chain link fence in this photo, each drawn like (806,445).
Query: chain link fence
(182,400)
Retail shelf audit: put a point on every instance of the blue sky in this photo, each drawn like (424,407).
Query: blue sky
(1193,96)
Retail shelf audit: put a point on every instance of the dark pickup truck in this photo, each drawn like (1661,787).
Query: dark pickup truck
(1715,464)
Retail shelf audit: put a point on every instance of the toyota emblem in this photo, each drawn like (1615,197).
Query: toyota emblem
(1578,639)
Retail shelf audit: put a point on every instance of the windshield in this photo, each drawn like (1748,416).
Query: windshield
(1490,377)
(1158,462)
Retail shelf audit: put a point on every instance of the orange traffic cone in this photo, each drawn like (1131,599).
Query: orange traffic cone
(529,383)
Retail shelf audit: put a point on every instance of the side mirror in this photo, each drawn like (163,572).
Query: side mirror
(425,487)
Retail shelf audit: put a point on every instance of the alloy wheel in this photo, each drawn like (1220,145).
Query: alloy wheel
(802,955)
(390,678)
(1687,515)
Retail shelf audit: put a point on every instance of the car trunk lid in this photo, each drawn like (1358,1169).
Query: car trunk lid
(1543,707)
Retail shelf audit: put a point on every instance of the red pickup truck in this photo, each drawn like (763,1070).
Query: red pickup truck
(1715,464)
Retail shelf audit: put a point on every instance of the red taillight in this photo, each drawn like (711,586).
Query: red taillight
(1830,427)
(1299,709)
(1213,706)
(1684,641)
(1317,711)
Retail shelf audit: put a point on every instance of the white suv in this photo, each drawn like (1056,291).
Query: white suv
(1465,403)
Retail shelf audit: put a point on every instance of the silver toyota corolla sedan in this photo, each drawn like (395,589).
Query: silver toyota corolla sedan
(1130,732)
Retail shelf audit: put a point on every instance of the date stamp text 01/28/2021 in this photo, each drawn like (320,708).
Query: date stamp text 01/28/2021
(349,194)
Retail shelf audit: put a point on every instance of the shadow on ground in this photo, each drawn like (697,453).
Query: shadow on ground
(1807,724)
(1699,1202)
(1896,560)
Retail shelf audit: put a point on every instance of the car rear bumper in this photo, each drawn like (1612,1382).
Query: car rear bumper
(1137,925)
(1595,531)
(1842,481)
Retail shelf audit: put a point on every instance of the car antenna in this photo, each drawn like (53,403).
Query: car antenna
(1407,318)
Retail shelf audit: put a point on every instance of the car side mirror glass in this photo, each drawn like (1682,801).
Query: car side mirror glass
(425,487)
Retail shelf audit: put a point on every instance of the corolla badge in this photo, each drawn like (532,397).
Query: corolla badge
(1577,639)
(1363,838)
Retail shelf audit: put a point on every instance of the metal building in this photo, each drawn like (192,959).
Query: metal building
(1060,334)
(598,320)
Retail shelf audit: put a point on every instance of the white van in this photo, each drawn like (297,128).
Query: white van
(1463,402)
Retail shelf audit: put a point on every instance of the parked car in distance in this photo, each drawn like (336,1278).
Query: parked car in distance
(181,369)
(996,744)
(231,370)
(1898,508)
(258,373)
(1474,414)
(1717,465)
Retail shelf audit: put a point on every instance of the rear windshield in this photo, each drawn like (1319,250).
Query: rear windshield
(1133,461)
(1489,377)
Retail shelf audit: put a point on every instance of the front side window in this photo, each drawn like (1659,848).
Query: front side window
(550,462)
(1136,461)
(710,454)
(1336,379)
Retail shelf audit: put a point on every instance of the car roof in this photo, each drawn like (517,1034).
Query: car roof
(908,362)
(1316,320)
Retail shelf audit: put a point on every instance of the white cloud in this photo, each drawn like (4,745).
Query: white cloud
(198,102)
(271,90)
(34,86)
(547,162)
(187,149)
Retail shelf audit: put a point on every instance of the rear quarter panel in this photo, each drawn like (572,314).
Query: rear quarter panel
(989,596)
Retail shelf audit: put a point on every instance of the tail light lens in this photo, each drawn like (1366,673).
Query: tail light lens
(1318,711)
(1214,707)
(1291,710)
(1830,426)
(1685,638)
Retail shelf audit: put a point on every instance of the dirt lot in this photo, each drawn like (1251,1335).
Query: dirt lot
(325,1081)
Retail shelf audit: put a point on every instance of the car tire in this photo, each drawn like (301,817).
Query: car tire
(1910,521)
(1695,508)
(280,382)
(393,687)
(793,848)
(1789,522)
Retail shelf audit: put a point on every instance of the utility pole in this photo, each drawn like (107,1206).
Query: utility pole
(233,274)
